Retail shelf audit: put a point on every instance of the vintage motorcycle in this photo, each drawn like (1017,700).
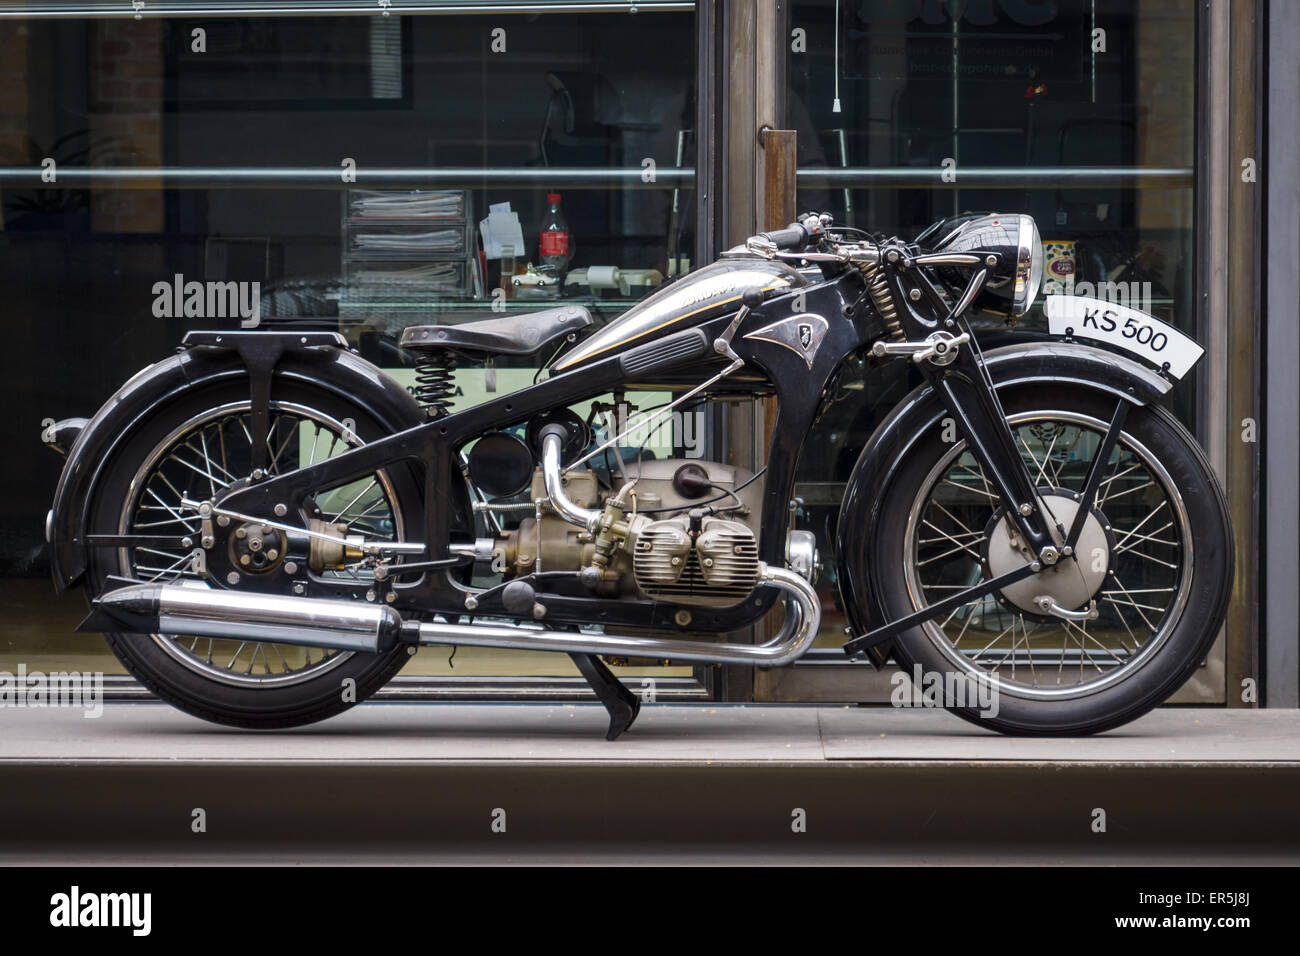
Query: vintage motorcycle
(267,525)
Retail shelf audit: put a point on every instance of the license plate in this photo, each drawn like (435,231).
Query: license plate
(1130,329)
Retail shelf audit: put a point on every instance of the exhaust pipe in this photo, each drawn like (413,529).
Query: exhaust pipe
(346,625)
(802,618)
(242,616)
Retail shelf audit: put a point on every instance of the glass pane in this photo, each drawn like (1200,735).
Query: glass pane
(1078,112)
(223,151)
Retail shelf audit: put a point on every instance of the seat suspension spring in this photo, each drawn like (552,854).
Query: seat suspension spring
(435,381)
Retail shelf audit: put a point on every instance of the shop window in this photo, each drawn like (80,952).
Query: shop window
(225,145)
(1079,112)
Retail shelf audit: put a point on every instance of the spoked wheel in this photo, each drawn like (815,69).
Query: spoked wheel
(192,452)
(1145,587)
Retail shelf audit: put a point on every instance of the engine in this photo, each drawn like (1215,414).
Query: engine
(716,564)
(683,531)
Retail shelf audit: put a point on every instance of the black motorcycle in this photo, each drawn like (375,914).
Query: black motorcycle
(267,525)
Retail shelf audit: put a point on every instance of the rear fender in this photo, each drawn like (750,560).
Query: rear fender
(320,358)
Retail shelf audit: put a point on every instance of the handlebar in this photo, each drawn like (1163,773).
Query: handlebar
(803,240)
(793,236)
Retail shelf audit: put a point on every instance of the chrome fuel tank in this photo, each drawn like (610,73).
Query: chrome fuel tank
(692,299)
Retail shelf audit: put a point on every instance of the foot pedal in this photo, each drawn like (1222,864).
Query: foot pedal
(622,705)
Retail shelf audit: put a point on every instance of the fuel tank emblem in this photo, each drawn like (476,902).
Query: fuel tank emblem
(801,334)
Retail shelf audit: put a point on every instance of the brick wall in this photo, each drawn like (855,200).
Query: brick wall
(1166,83)
(126,90)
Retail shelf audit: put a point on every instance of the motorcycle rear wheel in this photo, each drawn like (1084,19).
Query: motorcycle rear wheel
(192,446)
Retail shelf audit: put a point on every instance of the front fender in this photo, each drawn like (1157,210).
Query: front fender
(326,365)
(1050,363)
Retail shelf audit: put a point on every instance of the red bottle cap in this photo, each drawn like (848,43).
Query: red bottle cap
(552,197)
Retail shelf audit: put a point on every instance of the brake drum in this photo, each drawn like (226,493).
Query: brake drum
(1071,582)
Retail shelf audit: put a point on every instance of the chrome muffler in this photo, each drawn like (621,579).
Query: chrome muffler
(245,616)
(347,625)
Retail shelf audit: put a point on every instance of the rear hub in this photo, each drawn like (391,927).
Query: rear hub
(256,548)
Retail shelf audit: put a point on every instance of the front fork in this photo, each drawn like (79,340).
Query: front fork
(963,386)
(968,395)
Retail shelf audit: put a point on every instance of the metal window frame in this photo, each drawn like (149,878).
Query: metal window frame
(1280,288)
(1228,279)
(712,183)
(140,9)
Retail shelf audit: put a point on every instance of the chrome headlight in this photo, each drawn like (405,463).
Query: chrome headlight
(1018,275)
(1029,265)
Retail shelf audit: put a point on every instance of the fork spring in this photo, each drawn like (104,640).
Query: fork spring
(878,289)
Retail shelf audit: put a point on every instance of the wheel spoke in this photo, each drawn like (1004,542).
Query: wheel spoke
(240,650)
(1148,537)
(1128,491)
(954,518)
(1119,612)
(1067,458)
(1084,631)
(1041,470)
(976,471)
(349,505)
(974,491)
(212,479)
(1105,485)
(208,461)
(274,466)
(1107,596)
(1128,534)
(172,511)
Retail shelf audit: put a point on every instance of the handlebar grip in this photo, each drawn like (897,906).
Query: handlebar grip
(793,236)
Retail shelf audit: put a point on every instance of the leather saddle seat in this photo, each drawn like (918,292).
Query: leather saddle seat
(509,335)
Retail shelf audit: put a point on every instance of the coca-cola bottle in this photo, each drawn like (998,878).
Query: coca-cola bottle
(556,246)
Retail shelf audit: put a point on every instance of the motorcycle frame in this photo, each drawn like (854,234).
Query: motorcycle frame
(799,390)
(799,384)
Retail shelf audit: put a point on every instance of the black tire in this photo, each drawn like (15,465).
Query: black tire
(259,707)
(1152,679)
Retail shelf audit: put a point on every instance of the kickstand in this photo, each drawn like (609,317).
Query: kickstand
(622,704)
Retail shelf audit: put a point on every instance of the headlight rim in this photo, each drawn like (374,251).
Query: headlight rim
(1029,264)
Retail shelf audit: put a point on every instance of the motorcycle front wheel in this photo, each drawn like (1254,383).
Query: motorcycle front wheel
(1153,568)
(194,447)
